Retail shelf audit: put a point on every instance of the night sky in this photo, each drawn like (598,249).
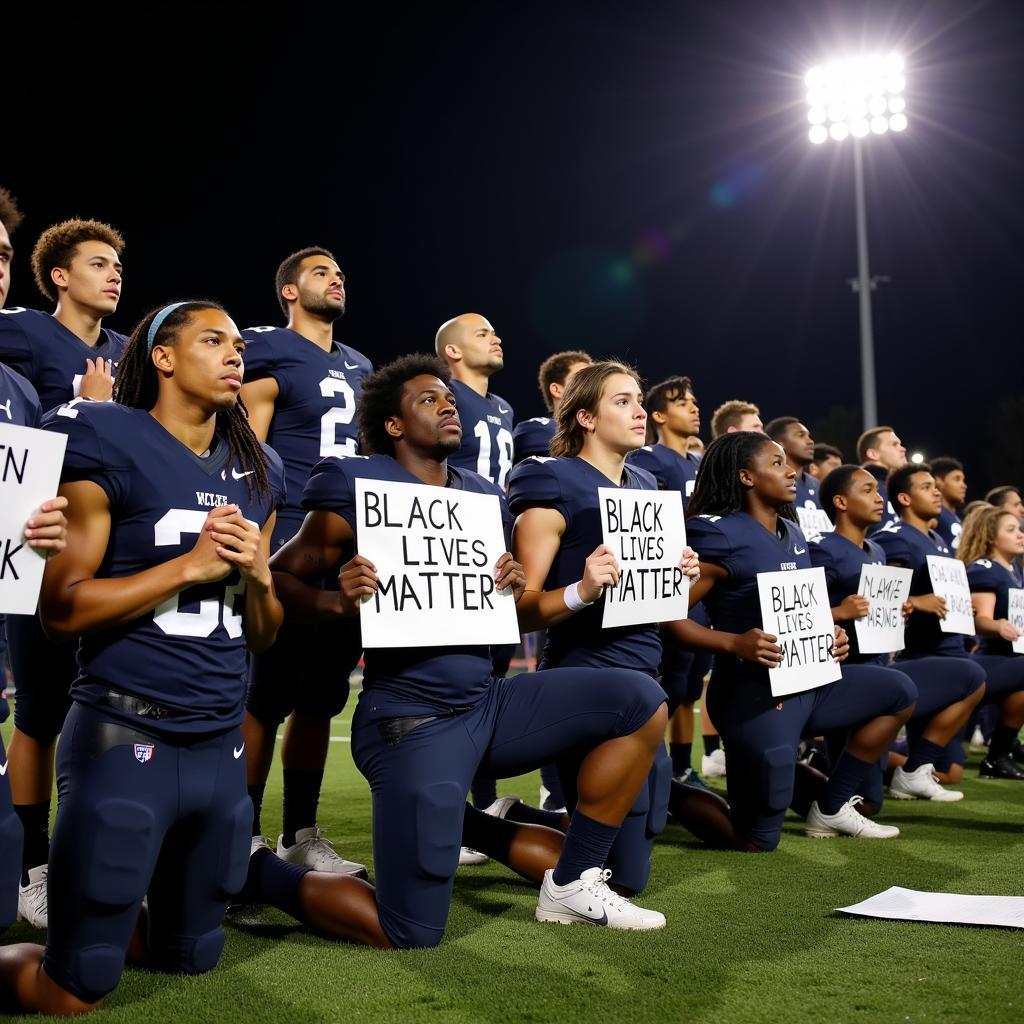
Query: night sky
(630,179)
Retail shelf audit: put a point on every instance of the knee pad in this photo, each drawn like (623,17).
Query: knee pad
(41,716)
(659,787)
(406,934)
(233,862)
(11,839)
(194,956)
(118,850)
(775,777)
(324,700)
(267,702)
(439,809)
(92,973)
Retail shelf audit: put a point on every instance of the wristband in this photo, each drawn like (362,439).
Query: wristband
(571,596)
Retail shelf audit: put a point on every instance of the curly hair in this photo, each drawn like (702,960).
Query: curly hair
(57,245)
(979,533)
(10,215)
(382,397)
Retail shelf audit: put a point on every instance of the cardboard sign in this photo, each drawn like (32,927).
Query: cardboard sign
(814,522)
(1015,614)
(435,550)
(645,530)
(795,610)
(887,587)
(949,581)
(30,462)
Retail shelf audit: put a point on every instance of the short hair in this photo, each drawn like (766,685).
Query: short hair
(944,465)
(583,392)
(730,414)
(777,427)
(837,483)
(57,245)
(555,369)
(10,215)
(898,481)
(869,439)
(658,397)
(288,271)
(824,451)
(382,397)
(1000,495)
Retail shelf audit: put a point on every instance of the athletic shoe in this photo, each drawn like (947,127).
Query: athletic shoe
(259,843)
(920,784)
(547,802)
(713,765)
(1001,768)
(318,853)
(502,806)
(691,777)
(978,739)
(847,821)
(588,900)
(468,857)
(32,898)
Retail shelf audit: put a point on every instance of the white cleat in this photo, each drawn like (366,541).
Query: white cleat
(312,850)
(32,898)
(468,857)
(502,806)
(845,822)
(588,900)
(920,784)
(978,739)
(712,766)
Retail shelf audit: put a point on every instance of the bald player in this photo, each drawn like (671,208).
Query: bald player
(735,415)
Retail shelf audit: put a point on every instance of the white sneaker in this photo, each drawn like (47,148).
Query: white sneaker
(545,795)
(588,900)
(259,843)
(845,822)
(32,898)
(920,784)
(502,806)
(468,857)
(318,853)
(978,739)
(713,765)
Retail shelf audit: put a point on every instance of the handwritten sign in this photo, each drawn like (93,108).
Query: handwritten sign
(645,530)
(949,581)
(435,550)
(795,610)
(814,522)
(886,587)
(1015,614)
(30,462)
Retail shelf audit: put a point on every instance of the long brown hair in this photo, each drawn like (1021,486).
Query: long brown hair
(583,394)
(979,533)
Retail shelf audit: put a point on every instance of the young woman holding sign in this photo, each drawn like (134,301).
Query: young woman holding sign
(909,542)
(740,520)
(947,695)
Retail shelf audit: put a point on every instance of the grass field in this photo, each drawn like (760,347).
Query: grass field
(749,938)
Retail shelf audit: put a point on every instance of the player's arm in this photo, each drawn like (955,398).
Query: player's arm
(74,601)
(259,397)
(984,603)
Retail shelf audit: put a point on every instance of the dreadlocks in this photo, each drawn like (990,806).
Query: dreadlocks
(136,386)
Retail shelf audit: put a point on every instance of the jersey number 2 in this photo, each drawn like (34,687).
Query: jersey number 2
(340,415)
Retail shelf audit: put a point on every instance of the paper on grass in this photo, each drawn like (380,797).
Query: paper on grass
(899,904)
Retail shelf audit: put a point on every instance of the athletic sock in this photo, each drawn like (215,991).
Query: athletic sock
(487,834)
(256,796)
(485,792)
(681,754)
(921,752)
(847,775)
(35,822)
(1000,745)
(274,881)
(301,797)
(553,784)
(712,741)
(527,815)
(587,843)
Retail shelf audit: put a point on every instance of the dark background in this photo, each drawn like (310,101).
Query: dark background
(632,179)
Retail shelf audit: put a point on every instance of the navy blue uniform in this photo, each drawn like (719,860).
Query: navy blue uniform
(429,719)
(807,488)
(150,776)
(988,577)
(949,528)
(762,732)
(309,665)
(533,437)
(487,447)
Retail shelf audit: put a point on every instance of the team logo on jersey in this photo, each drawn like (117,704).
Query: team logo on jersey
(144,752)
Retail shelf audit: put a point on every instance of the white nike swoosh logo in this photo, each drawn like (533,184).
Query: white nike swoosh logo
(3,771)
(235,475)
(799,551)
(238,751)
(350,366)
(503,411)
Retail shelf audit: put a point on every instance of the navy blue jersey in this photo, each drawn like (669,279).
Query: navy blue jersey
(533,437)
(18,399)
(842,561)
(987,577)
(49,355)
(314,413)
(674,472)
(421,677)
(807,488)
(487,445)
(905,545)
(189,653)
(569,485)
(949,528)
(743,547)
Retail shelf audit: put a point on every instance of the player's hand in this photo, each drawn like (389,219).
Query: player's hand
(240,543)
(759,647)
(1007,630)
(930,604)
(509,573)
(203,564)
(98,380)
(357,580)
(907,609)
(852,607)
(47,528)
(690,564)
(601,570)
(841,647)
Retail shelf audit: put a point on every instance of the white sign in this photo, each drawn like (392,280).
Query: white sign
(645,530)
(794,609)
(899,904)
(30,462)
(949,581)
(435,550)
(1015,613)
(886,587)
(814,522)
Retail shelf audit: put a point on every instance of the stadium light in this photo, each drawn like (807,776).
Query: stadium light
(917,458)
(855,99)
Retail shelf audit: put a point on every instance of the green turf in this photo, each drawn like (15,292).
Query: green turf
(749,938)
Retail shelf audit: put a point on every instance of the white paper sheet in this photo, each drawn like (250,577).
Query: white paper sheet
(899,904)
